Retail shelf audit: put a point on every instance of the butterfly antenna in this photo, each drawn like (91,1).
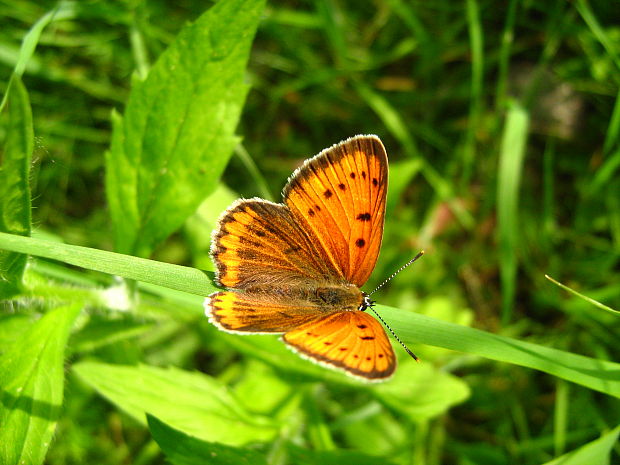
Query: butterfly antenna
(394,334)
(396,272)
(379,316)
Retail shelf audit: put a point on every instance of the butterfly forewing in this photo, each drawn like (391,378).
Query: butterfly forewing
(260,243)
(339,196)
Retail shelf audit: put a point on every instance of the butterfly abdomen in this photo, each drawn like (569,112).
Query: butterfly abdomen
(340,298)
(324,297)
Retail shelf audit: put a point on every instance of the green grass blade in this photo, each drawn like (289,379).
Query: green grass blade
(181,278)
(414,329)
(560,416)
(15,182)
(30,41)
(177,133)
(32,377)
(510,164)
(182,449)
(396,125)
(258,178)
(586,298)
(610,44)
(504,54)
(191,402)
(596,374)
(613,130)
(605,174)
(477,75)
(595,452)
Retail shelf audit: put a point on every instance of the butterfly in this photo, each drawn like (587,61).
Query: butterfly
(296,267)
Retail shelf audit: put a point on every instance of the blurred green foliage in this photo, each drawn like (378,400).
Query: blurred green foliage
(502,125)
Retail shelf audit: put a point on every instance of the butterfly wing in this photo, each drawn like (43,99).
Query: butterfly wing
(239,312)
(353,341)
(338,197)
(260,243)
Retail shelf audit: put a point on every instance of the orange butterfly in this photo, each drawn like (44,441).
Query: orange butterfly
(297,267)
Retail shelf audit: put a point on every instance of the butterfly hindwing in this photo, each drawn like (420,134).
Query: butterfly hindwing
(353,341)
(339,197)
(240,312)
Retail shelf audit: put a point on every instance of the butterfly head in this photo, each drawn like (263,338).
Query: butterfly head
(366,303)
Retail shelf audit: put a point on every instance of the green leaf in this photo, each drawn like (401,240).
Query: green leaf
(32,377)
(300,456)
(193,403)
(510,164)
(594,453)
(417,390)
(177,134)
(14,183)
(198,227)
(421,391)
(182,449)
(100,332)
(12,326)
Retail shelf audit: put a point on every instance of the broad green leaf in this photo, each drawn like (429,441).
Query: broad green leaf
(198,227)
(510,164)
(191,402)
(262,389)
(300,456)
(14,182)
(417,390)
(183,449)
(12,326)
(421,391)
(32,377)
(596,452)
(177,134)
(100,332)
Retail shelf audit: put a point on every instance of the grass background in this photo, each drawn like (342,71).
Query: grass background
(501,124)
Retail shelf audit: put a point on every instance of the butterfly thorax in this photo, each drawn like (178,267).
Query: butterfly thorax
(324,296)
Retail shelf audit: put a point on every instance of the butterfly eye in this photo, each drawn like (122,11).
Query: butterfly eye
(366,303)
